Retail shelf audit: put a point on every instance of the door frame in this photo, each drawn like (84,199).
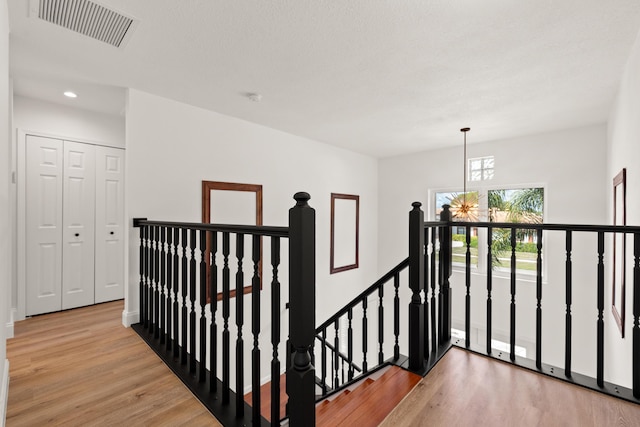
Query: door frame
(21,212)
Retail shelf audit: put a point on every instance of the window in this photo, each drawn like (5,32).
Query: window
(481,168)
(522,205)
(459,246)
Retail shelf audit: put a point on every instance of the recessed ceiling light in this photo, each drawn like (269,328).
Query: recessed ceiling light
(70,94)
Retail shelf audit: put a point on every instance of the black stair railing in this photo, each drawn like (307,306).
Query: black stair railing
(414,338)
(597,286)
(189,275)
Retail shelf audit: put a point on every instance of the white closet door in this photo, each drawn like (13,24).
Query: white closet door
(78,230)
(44,180)
(110,228)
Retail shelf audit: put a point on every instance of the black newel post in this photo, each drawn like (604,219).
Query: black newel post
(446,259)
(416,283)
(302,310)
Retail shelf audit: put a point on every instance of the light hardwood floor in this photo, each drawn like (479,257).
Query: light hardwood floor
(83,368)
(465,389)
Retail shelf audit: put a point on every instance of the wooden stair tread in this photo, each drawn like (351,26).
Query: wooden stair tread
(342,400)
(370,403)
(265,398)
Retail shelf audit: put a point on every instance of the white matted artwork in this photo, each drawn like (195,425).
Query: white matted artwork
(345,224)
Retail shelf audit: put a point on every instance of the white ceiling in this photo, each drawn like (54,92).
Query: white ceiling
(378,77)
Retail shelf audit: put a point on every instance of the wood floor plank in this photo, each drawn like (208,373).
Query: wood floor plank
(466,389)
(83,368)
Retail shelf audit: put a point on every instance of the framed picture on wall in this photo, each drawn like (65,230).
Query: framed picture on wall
(233,204)
(619,249)
(345,235)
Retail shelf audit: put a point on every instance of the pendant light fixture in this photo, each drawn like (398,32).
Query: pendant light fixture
(465,208)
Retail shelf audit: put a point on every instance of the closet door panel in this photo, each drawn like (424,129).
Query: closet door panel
(109,276)
(44,204)
(79,228)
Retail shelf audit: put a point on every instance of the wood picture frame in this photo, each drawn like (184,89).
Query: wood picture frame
(619,249)
(345,222)
(207,188)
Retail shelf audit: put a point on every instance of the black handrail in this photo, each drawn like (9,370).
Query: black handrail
(340,354)
(544,226)
(261,230)
(354,302)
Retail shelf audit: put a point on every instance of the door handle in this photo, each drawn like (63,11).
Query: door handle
(77,234)
(112,233)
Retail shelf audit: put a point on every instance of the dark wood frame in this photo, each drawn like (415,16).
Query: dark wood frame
(619,312)
(207,186)
(333,268)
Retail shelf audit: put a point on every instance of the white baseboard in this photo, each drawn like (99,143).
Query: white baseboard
(10,323)
(4,393)
(130,318)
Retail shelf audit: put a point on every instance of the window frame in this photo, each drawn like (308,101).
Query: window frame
(483,199)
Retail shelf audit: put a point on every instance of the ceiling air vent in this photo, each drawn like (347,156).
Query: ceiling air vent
(88,18)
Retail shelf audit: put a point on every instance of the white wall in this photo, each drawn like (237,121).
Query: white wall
(624,152)
(571,165)
(5,230)
(172,147)
(33,115)
(55,120)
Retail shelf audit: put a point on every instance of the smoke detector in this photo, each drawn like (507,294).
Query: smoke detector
(88,18)
(255,97)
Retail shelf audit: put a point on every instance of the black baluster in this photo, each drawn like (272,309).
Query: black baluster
(600,342)
(434,324)
(192,307)
(143,277)
(256,250)
(489,285)
(169,278)
(324,361)
(512,344)
(467,307)
(426,291)
(364,334)
(416,285)
(350,344)
(539,302)
(568,296)
(336,354)
(239,324)
(226,295)
(636,316)
(152,251)
(381,325)
(396,316)
(156,280)
(202,296)
(213,295)
(176,283)
(275,331)
(163,283)
(185,284)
